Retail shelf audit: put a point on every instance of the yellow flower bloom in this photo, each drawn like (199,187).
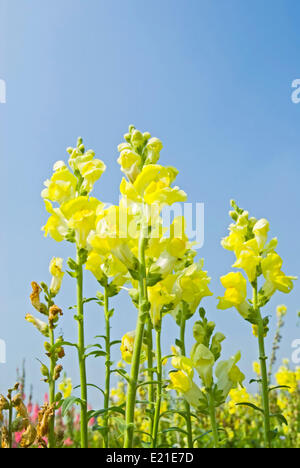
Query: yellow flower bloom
(41,326)
(105,267)
(249,259)
(256,368)
(237,395)
(229,375)
(203,361)
(55,269)
(260,230)
(94,265)
(191,287)
(91,171)
(77,215)
(281,310)
(127,347)
(238,233)
(114,235)
(287,377)
(182,380)
(62,185)
(159,296)
(81,215)
(153,186)
(235,294)
(66,387)
(275,278)
(130,162)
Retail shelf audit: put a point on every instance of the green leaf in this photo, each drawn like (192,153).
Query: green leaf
(280,418)
(93,346)
(200,436)
(122,373)
(92,385)
(73,274)
(115,342)
(150,382)
(256,408)
(114,409)
(279,387)
(174,429)
(181,413)
(100,428)
(95,354)
(69,402)
(144,433)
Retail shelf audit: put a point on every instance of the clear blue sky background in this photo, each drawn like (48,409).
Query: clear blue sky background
(211,78)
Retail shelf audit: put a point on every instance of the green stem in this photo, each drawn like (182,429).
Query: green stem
(10,417)
(150,371)
(187,406)
(107,368)
(213,420)
(264,373)
(159,389)
(138,342)
(52,391)
(81,356)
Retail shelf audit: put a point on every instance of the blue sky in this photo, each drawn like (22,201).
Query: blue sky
(211,78)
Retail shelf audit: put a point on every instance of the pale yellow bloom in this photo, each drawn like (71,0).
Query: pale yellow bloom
(55,269)
(235,294)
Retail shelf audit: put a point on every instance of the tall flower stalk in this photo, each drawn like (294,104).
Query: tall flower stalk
(81,354)
(72,217)
(159,387)
(135,366)
(205,353)
(257,258)
(188,418)
(107,367)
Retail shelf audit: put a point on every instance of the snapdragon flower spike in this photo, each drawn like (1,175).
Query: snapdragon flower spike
(248,240)
(205,353)
(75,215)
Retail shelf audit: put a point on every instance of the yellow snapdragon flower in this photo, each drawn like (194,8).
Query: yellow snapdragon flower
(127,347)
(62,185)
(249,259)
(153,186)
(229,375)
(41,326)
(288,378)
(281,310)
(66,387)
(191,287)
(275,278)
(55,269)
(115,233)
(260,230)
(256,368)
(182,380)
(235,294)
(78,215)
(203,361)
(237,395)
(160,296)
